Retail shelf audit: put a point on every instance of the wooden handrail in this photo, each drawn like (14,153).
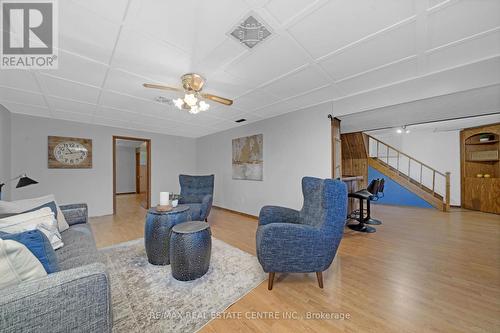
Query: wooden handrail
(446,198)
(400,152)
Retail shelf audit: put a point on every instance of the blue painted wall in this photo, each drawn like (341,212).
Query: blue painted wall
(395,194)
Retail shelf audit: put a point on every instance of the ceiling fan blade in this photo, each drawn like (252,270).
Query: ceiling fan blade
(161,87)
(217,99)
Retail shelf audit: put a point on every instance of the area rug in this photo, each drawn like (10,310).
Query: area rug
(146,298)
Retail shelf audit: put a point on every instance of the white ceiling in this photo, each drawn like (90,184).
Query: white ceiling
(484,100)
(358,55)
(442,126)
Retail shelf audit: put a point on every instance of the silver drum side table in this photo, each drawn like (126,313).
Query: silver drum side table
(157,232)
(190,250)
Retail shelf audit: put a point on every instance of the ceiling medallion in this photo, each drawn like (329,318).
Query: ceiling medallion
(250,31)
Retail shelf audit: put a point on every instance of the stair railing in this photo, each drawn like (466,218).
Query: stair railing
(412,169)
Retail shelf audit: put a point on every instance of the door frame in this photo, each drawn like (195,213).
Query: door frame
(148,168)
(137,172)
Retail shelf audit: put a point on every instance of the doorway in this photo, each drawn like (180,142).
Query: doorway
(131,174)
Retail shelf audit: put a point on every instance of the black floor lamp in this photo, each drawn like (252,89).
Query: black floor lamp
(23,181)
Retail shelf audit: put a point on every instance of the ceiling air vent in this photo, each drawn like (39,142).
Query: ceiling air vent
(251,31)
(240,120)
(164,100)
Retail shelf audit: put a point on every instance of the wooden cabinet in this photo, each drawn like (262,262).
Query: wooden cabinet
(480,168)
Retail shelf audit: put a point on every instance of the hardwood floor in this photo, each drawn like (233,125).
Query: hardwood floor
(126,225)
(422,271)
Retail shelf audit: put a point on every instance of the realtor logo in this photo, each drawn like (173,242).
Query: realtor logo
(29,38)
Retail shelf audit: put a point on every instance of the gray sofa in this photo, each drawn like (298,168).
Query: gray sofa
(75,299)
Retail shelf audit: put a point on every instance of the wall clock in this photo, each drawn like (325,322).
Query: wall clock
(69,153)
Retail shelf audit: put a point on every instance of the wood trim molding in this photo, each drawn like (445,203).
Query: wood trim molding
(236,212)
(125,193)
(148,149)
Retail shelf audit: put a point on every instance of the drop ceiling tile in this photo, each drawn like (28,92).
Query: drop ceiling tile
(433,3)
(201,119)
(228,113)
(111,122)
(72,116)
(384,48)
(67,89)
(274,57)
(305,79)
(210,33)
(275,110)
(338,23)
(131,84)
(141,54)
(462,19)
(79,69)
(224,125)
(71,106)
(19,79)
(159,122)
(250,117)
(315,97)
(83,32)
(125,102)
(225,85)
(470,50)
(110,10)
(285,10)
(112,113)
(165,20)
(223,112)
(383,76)
(219,56)
(254,100)
(31,110)
(19,96)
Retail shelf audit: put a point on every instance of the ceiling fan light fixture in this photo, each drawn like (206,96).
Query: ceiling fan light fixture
(190,99)
(178,103)
(192,84)
(194,110)
(203,106)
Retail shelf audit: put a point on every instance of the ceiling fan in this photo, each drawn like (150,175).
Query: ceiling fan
(192,84)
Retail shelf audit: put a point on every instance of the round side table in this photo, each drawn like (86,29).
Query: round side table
(157,232)
(190,250)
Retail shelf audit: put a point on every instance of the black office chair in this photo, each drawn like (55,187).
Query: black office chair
(364,195)
(375,197)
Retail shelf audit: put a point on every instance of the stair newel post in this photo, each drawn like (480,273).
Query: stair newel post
(447,207)
(421,170)
(409,163)
(433,181)
(397,161)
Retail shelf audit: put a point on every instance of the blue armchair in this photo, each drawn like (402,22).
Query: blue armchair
(197,193)
(307,240)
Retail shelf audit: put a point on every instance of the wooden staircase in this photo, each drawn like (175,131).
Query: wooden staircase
(410,184)
(419,178)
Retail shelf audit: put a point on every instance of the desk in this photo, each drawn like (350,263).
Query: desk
(352,183)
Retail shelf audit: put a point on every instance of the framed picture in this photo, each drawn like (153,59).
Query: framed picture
(248,158)
(69,153)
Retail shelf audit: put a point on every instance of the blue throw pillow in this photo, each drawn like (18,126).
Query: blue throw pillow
(39,245)
(52,205)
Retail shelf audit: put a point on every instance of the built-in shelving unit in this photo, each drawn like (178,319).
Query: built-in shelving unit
(480,168)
